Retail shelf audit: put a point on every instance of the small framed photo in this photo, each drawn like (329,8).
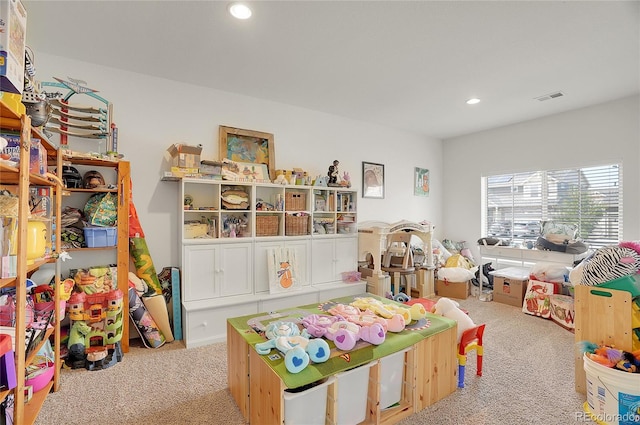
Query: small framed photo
(372,180)
(421,182)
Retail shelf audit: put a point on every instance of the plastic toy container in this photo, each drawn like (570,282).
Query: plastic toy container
(307,405)
(611,394)
(630,283)
(42,377)
(98,237)
(351,395)
(391,377)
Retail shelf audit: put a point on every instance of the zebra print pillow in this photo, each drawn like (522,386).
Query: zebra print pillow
(608,263)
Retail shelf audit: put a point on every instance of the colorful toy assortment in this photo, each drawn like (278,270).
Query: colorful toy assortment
(366,319)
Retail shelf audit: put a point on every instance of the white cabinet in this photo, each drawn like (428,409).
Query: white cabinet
(226,231)
(302,271)
(333,256)
(507,256)
(211,271)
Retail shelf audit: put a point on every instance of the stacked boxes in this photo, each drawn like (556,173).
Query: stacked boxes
(37,157)
(13,34)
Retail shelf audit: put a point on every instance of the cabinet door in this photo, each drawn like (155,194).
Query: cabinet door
(303,256)
(261,264)
(346,256)
(323,261)
(199,272)
(236,269)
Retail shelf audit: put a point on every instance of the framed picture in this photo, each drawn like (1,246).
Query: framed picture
(372,180)
(248,146)
(421,182)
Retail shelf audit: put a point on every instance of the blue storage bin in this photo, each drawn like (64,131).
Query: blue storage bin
(98,237)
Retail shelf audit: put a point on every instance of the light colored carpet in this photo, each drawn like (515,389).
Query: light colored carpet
(528,378)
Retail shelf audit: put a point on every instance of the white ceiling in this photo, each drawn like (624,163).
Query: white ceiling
(406,64)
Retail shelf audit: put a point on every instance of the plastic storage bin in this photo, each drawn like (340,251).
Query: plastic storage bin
(98,237)
(391,377)
(307,405)
(351,395)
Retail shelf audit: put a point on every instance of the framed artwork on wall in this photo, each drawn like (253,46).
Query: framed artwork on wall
(421,182)
(248,146)
(372,180)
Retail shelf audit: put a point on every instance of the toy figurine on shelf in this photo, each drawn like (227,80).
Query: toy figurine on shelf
(333,174)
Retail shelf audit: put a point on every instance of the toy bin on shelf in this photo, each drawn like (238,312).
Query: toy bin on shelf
(296,225)
(267,225)
(99,237)
(391,377)
(307,405)
(349,392)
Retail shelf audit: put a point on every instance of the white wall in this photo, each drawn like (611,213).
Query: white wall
(600,134)
(153,113)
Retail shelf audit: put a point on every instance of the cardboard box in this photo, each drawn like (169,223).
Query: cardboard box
(13,35)
(38,154)
(510,291)
(185,156)
(459,290)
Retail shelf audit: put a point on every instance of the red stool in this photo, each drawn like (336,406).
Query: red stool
(471,340)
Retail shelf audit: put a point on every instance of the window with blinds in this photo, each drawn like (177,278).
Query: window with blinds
(591,197)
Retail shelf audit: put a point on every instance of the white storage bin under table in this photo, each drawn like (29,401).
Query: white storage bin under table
(350,392)
(307,407)
(391,377)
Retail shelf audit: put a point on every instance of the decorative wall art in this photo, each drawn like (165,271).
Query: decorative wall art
(421,182)
(372,180)
(282,265)
(248,146)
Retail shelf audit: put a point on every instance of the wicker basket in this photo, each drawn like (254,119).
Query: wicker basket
(267,225)
(296,225)
(295,201)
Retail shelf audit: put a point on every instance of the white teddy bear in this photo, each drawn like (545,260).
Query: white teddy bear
(448,308)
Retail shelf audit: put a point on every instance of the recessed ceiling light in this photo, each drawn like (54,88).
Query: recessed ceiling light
(240,11)
(473,101)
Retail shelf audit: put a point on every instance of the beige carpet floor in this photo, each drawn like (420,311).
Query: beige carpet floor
(528,379)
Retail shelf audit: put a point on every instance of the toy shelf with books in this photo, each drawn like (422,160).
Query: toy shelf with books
(36,197)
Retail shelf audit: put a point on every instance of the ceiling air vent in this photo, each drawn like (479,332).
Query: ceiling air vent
(550,96)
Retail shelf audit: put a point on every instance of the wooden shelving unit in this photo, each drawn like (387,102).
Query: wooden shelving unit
(26,413)
(122,187)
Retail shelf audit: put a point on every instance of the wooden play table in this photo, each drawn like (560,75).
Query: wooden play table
(257,383)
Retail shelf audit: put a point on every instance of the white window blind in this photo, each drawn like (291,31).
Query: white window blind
(591,197)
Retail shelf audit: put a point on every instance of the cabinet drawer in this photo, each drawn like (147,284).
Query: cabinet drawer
(209,325)
(547,256)
(501,251)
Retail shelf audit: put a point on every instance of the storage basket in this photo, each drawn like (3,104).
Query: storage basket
(267,225)
(295,201)
(296,225)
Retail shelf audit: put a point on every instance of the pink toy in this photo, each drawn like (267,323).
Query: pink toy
(343,333)
(366,318)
